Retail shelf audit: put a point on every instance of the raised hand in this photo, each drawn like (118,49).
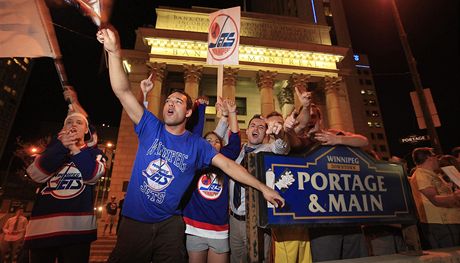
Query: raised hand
(69,139)
(147,85)
(231,105)
(70,95)
(109,37)
(291,121)
(275,129)
(304,97)
(203,100)
(221,106)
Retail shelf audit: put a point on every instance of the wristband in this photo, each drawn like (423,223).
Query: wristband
(226,116)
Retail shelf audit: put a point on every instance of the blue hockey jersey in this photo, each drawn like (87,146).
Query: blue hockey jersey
(63,212)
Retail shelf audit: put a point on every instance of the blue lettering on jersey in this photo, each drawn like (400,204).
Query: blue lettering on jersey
(171,156)
(65,184)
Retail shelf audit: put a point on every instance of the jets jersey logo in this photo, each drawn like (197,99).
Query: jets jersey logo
(209,188)
(66,184)
(223,37)
(159,174)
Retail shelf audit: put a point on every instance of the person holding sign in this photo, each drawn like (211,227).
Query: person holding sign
(168,157)
(257,131)
(438,206)
(307,125)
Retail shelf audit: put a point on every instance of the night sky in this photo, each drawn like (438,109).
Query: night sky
(432,28)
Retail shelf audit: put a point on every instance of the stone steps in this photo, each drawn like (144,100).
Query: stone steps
(101,248)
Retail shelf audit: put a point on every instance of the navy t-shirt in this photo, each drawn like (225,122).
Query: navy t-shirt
(164,168)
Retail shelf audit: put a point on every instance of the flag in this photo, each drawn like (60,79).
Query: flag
(224,37)
(26,30)
(89,8)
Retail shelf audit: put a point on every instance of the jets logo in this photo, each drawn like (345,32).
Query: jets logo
(65,184)
(158,174)
(223,36)
(209,187)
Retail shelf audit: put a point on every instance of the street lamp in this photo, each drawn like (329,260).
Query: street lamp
(416,80)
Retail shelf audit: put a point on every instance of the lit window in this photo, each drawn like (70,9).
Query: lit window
(369,124)
(363,92)
(377,124)
(371,102)
(375,113)
(369,92)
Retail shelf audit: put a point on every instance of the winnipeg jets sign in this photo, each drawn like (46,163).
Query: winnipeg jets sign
(224,37)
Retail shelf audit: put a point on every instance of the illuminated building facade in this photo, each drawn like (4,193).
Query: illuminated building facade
(277,53)
(355,69)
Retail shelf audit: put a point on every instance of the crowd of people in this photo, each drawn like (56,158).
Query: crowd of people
(186,196)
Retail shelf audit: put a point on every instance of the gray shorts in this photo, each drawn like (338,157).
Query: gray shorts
(196,243)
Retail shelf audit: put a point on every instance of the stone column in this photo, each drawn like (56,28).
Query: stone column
(229,83)
(286,99)
(158,71)
(334,112)
(192,77)
(301,82)
(265,82)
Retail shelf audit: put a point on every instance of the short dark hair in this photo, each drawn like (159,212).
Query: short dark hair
(189,99)
(274,114)
(218,137)
(257,116)
(420,155)
(456,151)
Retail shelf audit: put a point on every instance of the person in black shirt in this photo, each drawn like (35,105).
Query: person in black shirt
(111,208)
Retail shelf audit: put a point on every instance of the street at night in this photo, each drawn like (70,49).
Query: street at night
(348,109)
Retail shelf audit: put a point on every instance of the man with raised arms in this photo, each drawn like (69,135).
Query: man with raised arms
(166,161)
